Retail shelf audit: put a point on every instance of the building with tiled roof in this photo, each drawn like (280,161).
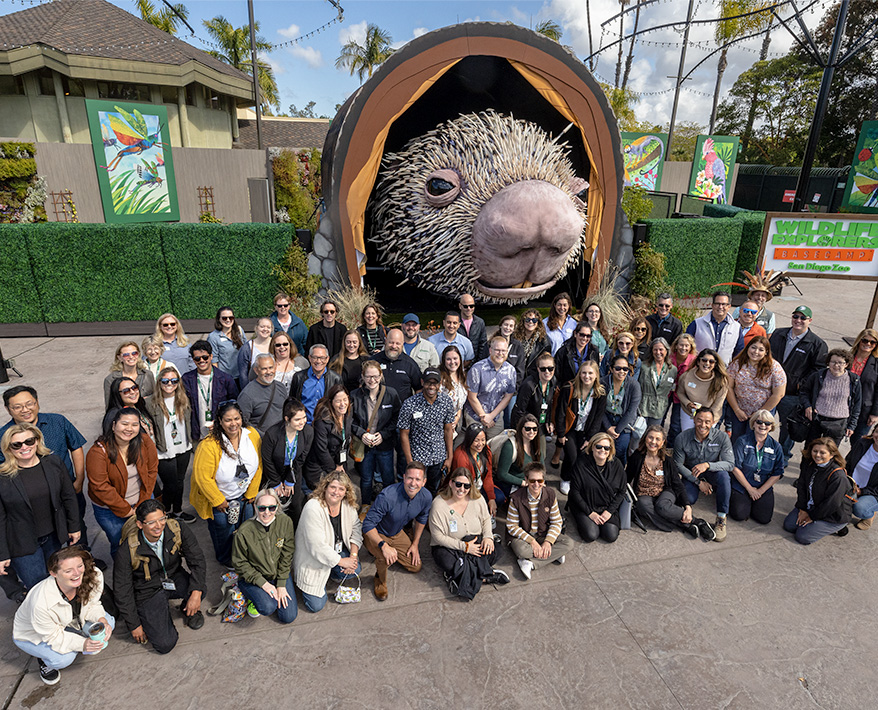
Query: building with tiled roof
(283,132)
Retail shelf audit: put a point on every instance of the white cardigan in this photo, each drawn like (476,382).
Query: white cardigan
(43,616)
(315,552)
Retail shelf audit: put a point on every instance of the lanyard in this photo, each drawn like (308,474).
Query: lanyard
(291,448)
(659,374)
(206,397)
(372,344)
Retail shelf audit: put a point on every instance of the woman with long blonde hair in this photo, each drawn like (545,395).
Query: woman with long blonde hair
(169,330)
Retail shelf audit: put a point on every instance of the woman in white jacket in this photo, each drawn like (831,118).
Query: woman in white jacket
(328,539)
(58,615)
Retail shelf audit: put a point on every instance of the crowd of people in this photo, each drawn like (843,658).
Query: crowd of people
(447,433)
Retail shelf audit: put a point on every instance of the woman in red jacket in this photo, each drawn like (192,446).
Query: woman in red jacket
(474,455)
(121,467)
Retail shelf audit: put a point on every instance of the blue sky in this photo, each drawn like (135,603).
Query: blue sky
(306,71)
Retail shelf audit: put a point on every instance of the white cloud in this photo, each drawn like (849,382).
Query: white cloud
(275,65)
(290,32)
(312,57)
(355,32)
(418,31)
(519,17)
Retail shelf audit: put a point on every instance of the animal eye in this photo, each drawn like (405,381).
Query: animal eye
(441,187)
(583,195)
(438,186)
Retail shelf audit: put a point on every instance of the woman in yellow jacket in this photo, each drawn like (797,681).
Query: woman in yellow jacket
(226,476)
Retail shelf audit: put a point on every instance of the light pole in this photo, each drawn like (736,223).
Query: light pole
(255,76)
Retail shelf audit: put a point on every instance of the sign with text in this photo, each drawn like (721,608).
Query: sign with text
(833,246)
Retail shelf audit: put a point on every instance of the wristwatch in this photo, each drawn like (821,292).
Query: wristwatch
(381,544)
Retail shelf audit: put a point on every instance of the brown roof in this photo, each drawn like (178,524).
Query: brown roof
(96,28)
(284,133)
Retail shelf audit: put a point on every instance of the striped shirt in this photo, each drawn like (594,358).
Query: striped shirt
(515,530)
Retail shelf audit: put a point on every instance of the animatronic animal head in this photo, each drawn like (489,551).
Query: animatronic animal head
(484,204)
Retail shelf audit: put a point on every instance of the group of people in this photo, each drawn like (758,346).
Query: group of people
(448,432)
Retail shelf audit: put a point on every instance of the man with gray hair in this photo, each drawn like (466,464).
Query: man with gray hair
(262,400)
(308,386)
(663,324)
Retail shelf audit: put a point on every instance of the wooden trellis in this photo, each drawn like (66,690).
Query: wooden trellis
(206,204)
(62,204)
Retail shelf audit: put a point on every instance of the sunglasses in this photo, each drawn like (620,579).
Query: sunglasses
(269,508)
(282,305)
(640,330)
(722,305)
(602,447)
(531,320)
(281,345)
(169,380)
(224,318)
(134,354)
(762,423)
(868,341)
(327,313)
(467,305)
(749,311)
(201,358)
(663,306)
(551,368)
(583,335)
(462,484)
(620,369)
(16,445)
(126,390)
(169,325)
(708,361)
(799,316)
(530,428)
(539,481)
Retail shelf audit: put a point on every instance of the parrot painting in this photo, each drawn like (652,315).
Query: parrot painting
(714,169)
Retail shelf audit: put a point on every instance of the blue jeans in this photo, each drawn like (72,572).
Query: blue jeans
(111,524)
(51,657)
(221,533)
(507,413)
(722,488)
(31,569)
(622,441)
(812,532)
(375,462)
(865,507)
(675,427)
(266,605)
(314,603)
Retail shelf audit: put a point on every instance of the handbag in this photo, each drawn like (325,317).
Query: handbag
(798,425)
(358,448)
(638,428)
(348,594)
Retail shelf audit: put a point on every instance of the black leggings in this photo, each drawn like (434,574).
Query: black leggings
(172,472)
(575,440)
(590,531)
(742,506)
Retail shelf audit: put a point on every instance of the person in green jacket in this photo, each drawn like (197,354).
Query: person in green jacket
(262,554)
(517,452)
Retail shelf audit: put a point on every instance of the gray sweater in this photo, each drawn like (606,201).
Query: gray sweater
(254,400)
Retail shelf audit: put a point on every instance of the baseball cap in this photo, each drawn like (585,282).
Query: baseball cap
(411,317)
(431,373)
(804,310)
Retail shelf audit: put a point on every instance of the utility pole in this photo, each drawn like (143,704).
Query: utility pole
(680,79)
(256,76)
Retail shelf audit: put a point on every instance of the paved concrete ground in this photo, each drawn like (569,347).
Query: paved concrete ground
(653,621)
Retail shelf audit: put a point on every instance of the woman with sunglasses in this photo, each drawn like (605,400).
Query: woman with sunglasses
(594,316)
(704,385)
(864,364)
(283,319)
(624,347)
(580,407)
(623,401)
(683,356)
(328,539)
(461,540)
(560,322)
(371,329)
(170,331)
(536,395)
(128,363)
(349,362)
(122,468)
(642,331)
(332,437)
(124,392)
(597,490)
(38,507)
(262,554)
(170,409)
(759,464)
(453,381)
(227,338)
(328,331)
(531,333)
(286,358)
(475,456)
(756,381)
(657,380)
(517,452)
(574,352)
(259,343)
(226,475)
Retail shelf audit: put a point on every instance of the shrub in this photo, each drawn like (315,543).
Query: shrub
(351,301)
(294,280)
(636,203)
(650,274)
(297,188)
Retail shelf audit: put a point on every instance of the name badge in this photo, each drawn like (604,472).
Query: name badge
(712,446)
(342,456)
(544,406)
(671,380)
(417,415)
(660,473)
(383,366)
(693,385)
(386,406)
(799,350)
(757,477)
(168,585)
(338,548)
(452,526)
(768,451)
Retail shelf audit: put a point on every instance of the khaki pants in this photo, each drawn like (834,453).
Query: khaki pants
(490,433)
(523,551)
(401,543)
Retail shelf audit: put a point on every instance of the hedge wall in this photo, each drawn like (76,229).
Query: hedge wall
(699,253)
(751,240)
(717,210)
(101,272)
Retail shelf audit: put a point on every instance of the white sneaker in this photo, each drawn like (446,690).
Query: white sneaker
(527,567)
(562,559)
(565,487)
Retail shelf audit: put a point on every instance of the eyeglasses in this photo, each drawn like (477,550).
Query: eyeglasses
(201,358)
(224,318)
(371,377)
(282,305)
(269,508)
(530,428)
(749,311)
(620,369)
(467,305)
(127,390)
(799,316)
(134,354)
(721,305)
(531,320)
(462,484)
(16,445)
(762,423)
(869,341)
(157,521)
(602,447)
(22,407)
(328,312)
(537,481)
(320,358)
(169,380)
(550,368)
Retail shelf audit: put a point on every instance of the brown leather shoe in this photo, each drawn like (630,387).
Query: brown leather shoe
(865,523)
(380,589)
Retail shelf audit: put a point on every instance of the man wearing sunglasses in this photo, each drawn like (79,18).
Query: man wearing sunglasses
(328,332)
(663,324)
(148,572)
(206,387)
(747,320)
(473,326)
(801,352)
(717,330)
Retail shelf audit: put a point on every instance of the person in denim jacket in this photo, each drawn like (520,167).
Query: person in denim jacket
(759,464)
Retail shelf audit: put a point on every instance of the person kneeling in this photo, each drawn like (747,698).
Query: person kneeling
(62,615)
(148,571)
(262,553)
(461,540)
(759,464)
(597,489)
(534,523)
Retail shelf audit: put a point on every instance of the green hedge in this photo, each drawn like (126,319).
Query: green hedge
(716,210)
(102,272)
(751,240)
(699,253)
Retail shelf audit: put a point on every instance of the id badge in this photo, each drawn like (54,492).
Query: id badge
(452,525)
(338,547)
(544,406)
(175,435)
(208,416)
(343,456)
(417,415)
(542,417)
(168,585)
(660,474)
(757,477)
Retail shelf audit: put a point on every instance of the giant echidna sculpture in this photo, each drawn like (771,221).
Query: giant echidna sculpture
(484,204)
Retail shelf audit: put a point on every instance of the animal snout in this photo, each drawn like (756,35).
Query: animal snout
(524,234)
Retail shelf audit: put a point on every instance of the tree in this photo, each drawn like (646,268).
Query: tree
(307,112)
(234,45)
(165,19)
(683,142)
(361,59)
(622,5)
(786,90)
(550,29)
(630,58)
(622,102)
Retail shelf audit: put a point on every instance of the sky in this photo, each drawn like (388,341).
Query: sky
(305,71)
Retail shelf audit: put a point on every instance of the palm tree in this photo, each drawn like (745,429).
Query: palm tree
(361,59)
(550,29)
(165,19)
(631,47)
(623,4)
(234,43)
